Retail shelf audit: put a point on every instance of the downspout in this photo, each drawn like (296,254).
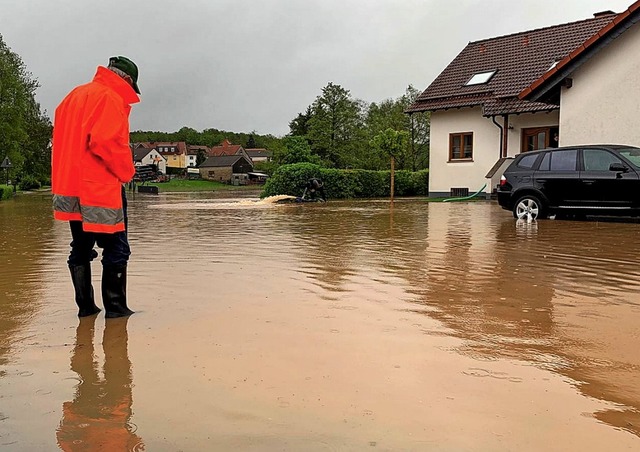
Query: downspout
(505,132)
(493,119)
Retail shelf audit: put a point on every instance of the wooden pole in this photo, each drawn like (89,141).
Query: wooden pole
(393,165)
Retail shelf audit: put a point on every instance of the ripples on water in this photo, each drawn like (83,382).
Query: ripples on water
(522,291)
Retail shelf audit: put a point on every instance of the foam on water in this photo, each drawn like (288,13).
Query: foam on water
(225,203)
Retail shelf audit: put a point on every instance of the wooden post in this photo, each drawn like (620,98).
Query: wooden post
(393,165)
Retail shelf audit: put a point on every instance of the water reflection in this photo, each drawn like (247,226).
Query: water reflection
(253,289)
(98,418)
(553,294)
(26,239)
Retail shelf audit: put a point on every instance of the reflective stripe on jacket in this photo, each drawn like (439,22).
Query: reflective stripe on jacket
(91,157)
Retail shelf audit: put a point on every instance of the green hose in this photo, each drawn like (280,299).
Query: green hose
(466,197)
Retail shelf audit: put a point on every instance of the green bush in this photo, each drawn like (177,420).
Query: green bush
(6,192)
(291,180)
(29,183)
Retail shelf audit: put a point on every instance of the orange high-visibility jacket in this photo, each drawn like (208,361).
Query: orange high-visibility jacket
(91,157)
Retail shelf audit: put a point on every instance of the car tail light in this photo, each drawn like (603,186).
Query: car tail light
(503,181)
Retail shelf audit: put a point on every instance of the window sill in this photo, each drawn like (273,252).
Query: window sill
(460,161)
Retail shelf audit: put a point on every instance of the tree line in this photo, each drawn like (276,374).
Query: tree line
(335,131)
(25,129)
(339,131)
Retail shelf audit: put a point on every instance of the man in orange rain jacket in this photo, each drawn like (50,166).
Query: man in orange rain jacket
(91,160)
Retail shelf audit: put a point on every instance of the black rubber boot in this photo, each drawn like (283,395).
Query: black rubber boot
(81,277)
(114,291)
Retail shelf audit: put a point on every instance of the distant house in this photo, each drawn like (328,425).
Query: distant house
(226,148)
(226,168)
(567,84)
(259,154)
(192,154)
(144,156)
(174,152)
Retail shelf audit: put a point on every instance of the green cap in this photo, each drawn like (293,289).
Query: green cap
(128,67)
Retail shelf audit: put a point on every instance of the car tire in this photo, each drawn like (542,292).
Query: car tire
(529,208)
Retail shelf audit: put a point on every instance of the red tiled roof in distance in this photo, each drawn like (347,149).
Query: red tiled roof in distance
(192,149)
(518,60)
(226,148)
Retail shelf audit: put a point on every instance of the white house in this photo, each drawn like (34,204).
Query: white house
(144,156)
(567,84)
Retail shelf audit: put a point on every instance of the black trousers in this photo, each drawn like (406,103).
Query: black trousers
(115,247)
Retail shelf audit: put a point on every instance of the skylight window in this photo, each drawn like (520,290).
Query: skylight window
(480,78)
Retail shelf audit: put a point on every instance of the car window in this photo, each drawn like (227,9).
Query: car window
(527,161)
(598,159)
(565,160)
(545,165)
(631,154)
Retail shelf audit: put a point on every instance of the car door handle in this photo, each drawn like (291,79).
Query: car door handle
(588,181)
(541,180)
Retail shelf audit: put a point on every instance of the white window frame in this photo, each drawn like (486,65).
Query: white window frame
(480,78)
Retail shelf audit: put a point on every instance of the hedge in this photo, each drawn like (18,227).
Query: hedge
(339,184)
(6,192)
(29,183)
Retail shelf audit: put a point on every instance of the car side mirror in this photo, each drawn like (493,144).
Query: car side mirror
(618,167)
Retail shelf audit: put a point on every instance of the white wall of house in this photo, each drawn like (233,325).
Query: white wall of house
(150,159)
(603,105)
(191,160)
(444,175)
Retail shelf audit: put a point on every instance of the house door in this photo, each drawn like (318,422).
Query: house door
(539,138)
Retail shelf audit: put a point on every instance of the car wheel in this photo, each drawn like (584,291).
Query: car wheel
(529,208)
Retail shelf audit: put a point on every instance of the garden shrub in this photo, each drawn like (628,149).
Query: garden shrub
(339,184)
(29,183)
(6,192)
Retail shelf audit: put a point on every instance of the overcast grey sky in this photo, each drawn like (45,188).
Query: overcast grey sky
(241,65)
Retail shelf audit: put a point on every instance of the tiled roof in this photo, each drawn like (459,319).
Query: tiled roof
(181,146)
(573,60)
(192,149)
(226,148)
(140,153)
(258,152)
(221,160)
(497,107)
(518,60)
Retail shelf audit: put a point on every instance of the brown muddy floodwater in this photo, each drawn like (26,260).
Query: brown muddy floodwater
(350,326)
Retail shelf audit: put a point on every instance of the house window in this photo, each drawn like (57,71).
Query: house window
(480,78)
(461,146)
(539,138)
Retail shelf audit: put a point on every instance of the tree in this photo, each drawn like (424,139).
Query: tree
(336,126)
(420,128)
(391,142)
(390,113)
(251,142)
(25,131)
(296,150)
(300,124)
(201,156)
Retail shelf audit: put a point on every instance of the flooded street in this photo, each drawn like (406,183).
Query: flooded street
(353,325)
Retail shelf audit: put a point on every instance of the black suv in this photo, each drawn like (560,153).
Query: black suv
(593,179)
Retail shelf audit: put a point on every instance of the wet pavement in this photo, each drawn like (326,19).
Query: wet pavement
(351,325)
